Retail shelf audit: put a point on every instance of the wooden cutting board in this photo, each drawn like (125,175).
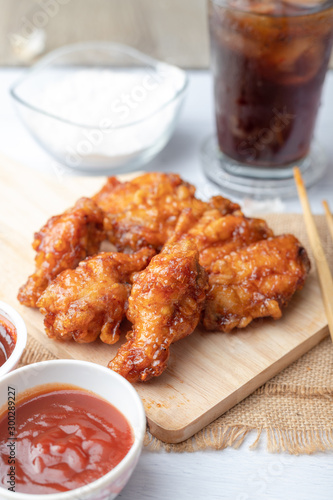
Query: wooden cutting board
(208,373)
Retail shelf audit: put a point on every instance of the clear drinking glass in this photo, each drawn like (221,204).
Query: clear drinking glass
(269,60)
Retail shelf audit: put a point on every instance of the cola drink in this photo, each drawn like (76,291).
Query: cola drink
(269,60)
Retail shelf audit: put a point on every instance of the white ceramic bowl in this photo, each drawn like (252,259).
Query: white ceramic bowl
(9,313)
(103,382)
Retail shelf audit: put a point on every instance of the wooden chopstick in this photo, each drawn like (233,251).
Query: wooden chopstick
(324,273)
(329,218)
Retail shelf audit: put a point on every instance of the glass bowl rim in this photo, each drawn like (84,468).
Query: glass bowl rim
(126,49)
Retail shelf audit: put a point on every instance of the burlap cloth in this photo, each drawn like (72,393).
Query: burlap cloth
(295,408)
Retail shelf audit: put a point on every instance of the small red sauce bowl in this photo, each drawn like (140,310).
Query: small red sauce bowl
(11,315)
(102,382)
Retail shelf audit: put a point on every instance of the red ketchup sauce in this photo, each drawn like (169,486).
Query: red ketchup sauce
(66,438)
(8,338)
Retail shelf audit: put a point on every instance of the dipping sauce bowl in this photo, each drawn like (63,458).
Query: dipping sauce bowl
(79,437)
(13,338)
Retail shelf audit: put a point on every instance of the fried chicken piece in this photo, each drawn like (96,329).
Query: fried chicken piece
(217,236)
(91,300)
(144,211)
(255,282)
(62,243)
(164,306)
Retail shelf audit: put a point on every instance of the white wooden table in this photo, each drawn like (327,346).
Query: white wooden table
(209,475)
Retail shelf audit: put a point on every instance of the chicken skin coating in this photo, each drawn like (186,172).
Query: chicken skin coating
(217,236)
(62,243)
(91,300)
(164,306)
(144,212)
(255,282)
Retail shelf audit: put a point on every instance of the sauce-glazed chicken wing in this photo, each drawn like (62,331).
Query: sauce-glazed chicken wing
(255,282)
(91,300)
(62,243)
(164,306)
(217,236)
(144,211)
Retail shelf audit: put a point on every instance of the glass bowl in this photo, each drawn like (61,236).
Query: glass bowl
(100,107)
